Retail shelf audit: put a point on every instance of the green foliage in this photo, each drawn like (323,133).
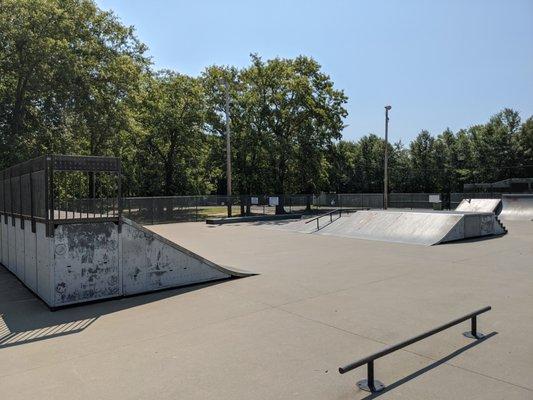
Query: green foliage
(67,70)
(75,80)
(172,144)
(285,114)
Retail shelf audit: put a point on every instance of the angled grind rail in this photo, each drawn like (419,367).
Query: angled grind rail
(373,385)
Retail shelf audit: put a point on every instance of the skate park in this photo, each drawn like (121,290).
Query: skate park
(355,282)
(266,200)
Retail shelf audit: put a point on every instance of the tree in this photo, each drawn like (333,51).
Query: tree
(493,146)
(423,166)
(174,151)
(344,160)
(299,113)
(67,71)
(285,115)
(524,145)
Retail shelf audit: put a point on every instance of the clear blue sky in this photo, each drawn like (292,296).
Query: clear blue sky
(439,64)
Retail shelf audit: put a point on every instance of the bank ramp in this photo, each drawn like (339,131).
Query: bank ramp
(480,205)
(423,228)
(517,207)
(152,262)
(84,262)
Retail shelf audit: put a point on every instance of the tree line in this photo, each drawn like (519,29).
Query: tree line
(75,80)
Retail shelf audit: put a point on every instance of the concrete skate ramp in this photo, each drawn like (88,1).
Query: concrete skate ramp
(424,228)
(518,207)
(480,205)
(151,262)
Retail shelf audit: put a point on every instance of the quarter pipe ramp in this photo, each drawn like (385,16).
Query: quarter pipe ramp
(517,207)
(480,205)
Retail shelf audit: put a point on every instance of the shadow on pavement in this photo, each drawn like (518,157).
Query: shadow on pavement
(24,318)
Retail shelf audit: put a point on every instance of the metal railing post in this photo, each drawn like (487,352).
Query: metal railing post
(370,384)
(473,334)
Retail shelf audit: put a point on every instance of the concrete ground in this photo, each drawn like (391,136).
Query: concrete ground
(318,303)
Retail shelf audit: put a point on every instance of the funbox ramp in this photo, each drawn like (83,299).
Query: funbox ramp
(480,205)
(85,262)
(517,207)
(424,228)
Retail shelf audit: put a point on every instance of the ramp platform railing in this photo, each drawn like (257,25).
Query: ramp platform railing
(61,189)
(372,385)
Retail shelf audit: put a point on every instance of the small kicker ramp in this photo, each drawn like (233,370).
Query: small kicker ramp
(480,205)
(517,207)
(151,262)
(423,228)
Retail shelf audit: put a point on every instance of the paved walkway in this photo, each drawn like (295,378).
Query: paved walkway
(319,302)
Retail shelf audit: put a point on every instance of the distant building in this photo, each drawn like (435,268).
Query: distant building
(512,185)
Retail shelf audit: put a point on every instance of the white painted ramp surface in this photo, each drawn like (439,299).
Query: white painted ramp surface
(480,205)
(517,207)
(423,228)
(411,227)
(151,262)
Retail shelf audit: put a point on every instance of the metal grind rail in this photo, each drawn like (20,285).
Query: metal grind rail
(317,219)
(372,385)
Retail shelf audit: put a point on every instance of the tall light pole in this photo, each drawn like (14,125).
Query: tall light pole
(228,148)
(386,161)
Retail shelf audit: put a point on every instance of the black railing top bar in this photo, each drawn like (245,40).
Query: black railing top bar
(407,342)
(324,215)
(61,162)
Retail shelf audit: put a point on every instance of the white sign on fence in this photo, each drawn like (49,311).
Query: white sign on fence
(273,201)
(254,200)
(434,198)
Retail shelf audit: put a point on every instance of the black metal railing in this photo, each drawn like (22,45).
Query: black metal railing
(50,189)
(372,385)
(317,219)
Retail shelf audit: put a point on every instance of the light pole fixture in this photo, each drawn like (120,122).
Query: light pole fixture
(386,161)
(228,149)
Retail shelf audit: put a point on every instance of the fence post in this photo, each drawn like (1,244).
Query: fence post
(153,209)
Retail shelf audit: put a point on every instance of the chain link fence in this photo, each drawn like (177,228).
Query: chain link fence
(154,210)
